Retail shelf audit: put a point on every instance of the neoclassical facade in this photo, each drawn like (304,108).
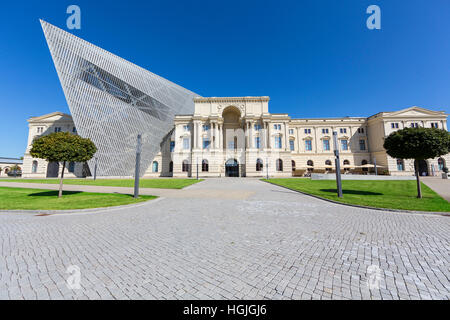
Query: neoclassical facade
(238,137)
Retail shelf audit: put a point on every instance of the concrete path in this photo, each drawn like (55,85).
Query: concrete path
(262,242)
(439,185)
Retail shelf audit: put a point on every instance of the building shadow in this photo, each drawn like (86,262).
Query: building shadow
(53,193)
(358,192)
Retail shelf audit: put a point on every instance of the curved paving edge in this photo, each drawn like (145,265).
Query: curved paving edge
(360,206)
(88,210)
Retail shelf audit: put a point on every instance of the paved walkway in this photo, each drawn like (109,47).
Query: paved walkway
(441,186)
(266,243)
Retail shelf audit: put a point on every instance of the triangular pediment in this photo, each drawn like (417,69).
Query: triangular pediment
(414,112)
(54,116)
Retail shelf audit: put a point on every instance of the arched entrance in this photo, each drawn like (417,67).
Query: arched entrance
(423,168)
(53,170)
(231,168)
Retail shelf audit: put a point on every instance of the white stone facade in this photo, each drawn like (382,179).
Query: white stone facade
(228,136)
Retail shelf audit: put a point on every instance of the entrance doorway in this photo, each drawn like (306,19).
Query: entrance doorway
(53,170)
(423,168)
(231,168)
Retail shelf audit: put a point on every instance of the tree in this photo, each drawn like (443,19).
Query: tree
(418,144)
(63,147)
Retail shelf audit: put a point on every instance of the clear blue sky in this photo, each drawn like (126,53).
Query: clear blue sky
(313,58)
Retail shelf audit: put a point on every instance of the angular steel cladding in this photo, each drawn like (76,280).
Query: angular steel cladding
(113,100)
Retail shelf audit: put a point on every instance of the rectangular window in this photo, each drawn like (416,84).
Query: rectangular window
(257,143)
(394,125)
(291,131)
(206,143)
(186,143)
(57,129)
(434,125)
(172,146)
(291,145)
(186,128)
(362,144)
(277,126)
(344,145)
(343,130)
(74,130)
(231,145)
(360,130)
(205,127)
(414,125)
(257,127)
(278,144)
(40,129)
(308,145)
(324,131)
(307,131)
(326,145)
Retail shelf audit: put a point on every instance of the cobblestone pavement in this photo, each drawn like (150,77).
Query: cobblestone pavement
(272,244)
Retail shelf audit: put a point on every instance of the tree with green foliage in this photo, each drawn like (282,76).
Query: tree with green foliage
(63,147)
(418,144)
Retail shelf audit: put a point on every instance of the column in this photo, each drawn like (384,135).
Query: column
(269,131)
(250,135)
(286,137)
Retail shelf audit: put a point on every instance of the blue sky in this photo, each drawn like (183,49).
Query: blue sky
(313,58)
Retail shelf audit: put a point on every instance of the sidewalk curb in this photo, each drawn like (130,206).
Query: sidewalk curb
(446,214)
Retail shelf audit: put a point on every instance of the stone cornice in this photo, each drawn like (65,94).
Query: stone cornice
(230,99)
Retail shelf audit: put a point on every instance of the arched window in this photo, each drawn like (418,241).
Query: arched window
(205,165)
(259,165)
(279,165)
(155,166)
(310,164)
(441,164)
(171,166)
(346,163)
(328,162)
(71,167)
(185,167)
(400,165)
(34,166)
(293,165)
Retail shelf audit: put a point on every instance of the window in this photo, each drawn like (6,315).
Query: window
(205,127)
(328,164)
(310,165)
(346,163)
(278,142)
(291,145)
(324,131)
(34,166)
(257,127)
(57,129)
(343,130)
(171,166)
(231,145)
(259,165)
(257,143)
(414,125)
(362,144)
(186,128)
(279,165)
(205,165)
(441,164)
(435,125)
(74,130)
(291,131)
(344,145)
(71,167)
(293,165)
(360,130)
(400,165)
(206,143)
(364,162)
(172,146)
(326,144)
(308,145)
(185,166)
(155,166)
(277,126)
(307,131)
(394,125)
(186,143)
(40,129)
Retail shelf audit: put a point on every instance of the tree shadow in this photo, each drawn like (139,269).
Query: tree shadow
(359,192)
(52,193)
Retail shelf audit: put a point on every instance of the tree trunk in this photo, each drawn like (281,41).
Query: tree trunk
(61,180)
(419,190)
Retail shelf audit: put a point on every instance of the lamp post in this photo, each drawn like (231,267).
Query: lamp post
(95,169)
(138,164)
(197,168)
(338,165)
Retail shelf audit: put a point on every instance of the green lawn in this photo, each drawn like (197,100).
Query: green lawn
(380,194)
(143,183)
(38,199)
